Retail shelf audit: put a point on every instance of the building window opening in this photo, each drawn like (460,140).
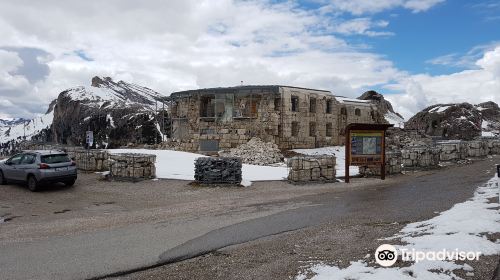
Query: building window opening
(312,105)
(328,106)
(343,111)
(295,129)
(312,129)
(295,103)
(329,130)
(357,112)
(277,104)
(207,106)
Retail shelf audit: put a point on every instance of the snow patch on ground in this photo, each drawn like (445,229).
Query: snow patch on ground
(180,165)
(461,227)
(394,119)
(338,152)
(439,109)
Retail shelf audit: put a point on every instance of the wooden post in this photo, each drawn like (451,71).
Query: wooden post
(347,154)
(382,167)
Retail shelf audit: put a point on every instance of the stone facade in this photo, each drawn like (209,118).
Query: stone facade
(311,168)
(209,120)
(132,166)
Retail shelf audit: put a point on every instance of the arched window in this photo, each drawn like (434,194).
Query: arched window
(357,112)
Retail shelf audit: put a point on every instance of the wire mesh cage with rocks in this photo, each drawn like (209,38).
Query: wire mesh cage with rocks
(131,166)
(222,170)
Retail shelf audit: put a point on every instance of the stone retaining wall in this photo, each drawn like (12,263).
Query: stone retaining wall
(311,168)
(428,157)
(132,166)
(91,160)
(393,165)
(222,170)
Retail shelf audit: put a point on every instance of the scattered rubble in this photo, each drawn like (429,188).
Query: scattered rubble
(255,152)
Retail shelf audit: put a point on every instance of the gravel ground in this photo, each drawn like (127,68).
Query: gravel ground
(93,204)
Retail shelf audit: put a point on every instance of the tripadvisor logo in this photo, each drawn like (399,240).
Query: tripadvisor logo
(386,255)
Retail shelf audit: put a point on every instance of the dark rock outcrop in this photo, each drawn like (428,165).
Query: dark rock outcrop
(462,121)
(385,110)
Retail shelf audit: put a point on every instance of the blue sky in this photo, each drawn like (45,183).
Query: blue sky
(451,27)
(416,52)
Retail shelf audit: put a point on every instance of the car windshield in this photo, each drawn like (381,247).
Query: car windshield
(56,158)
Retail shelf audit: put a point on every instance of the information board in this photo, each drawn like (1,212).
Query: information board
(89,138)
(366,147)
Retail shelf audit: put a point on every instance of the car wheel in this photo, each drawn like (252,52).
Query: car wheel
(32,183)
(70,182)
(2,179)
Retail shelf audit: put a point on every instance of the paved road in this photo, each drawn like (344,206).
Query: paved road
(106,252)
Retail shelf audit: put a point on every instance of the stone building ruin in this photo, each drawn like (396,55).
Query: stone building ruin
(213,119)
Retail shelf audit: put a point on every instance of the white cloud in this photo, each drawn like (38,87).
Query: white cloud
(359,7)
(473,86)
(178,45)
(362,26)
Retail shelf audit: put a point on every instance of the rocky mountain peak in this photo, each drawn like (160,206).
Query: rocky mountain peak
(101,82)
(384,106)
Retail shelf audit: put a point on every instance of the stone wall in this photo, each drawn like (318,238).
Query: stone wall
(90,160)
(428,157)
(289,117)
(420,157)
(222,170)
(393,165)
(132,166)
(311,168)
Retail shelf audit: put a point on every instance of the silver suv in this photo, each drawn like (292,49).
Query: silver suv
(38,167)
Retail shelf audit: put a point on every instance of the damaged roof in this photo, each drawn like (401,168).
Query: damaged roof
(239,90)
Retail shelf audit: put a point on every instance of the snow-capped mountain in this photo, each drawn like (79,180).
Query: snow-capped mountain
(117,112)
(11,122)
(458,120)
(384,107)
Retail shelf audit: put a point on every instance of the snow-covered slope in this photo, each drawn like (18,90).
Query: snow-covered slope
(27,128)
(105,92)
(117,112)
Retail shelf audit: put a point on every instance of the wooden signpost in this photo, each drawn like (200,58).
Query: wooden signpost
(365,146)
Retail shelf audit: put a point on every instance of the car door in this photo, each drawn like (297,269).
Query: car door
(27,163)
(10,170)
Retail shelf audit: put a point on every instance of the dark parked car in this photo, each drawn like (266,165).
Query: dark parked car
(38,167)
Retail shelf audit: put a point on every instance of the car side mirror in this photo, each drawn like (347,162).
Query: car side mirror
(8,162)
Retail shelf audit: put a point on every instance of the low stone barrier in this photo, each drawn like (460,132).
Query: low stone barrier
(132,166)
(221,170)
(311,168)
(393,165)
(420,157)
(90,160)
(428,157)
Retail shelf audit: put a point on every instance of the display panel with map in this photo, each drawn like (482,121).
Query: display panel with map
(366,147)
